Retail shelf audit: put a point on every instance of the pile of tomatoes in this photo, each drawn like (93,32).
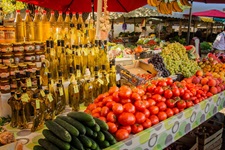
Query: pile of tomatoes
(127,110)
(146,76)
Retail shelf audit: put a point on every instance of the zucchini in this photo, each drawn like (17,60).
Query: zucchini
(79,126)
(104,144)
(108,136)
(103,125)
(59,131)
(49,135)
(71,129)
(80,116)
(100,136)
(47,144)
(96,127)
(90,123)
(89,132)
(112,142)
(76,143)
(95,134)
(94,144)
(38,147)
(85,140)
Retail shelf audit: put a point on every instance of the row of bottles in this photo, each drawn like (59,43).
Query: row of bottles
(71,29)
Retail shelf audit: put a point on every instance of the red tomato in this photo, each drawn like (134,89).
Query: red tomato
(102,118)
(147,124)
(124,101)
(148,95)
(117,108)
(140,117)
(116,97)
(107,99)
(121,134)
(158,90)
(113,89)
(128,128)
(169,81)
(146,103)
(140,105)
(186,96)
(162,106)
(110,104)
(136,128)
(168,94)
(155,82)
(163,99)
(157,97)
(176,92)
(151,88)
(126,119)
(162,83)
(96,115)
(112,127)
(104,111)
(170,103)
(169,112)
(101,97)
(111,117)
(125,92)
(189,104)
(154,119)
(154,110)
(91,106)
(181,91)
(162,115)
(175,110)
(96,110)
(87,111)
(129,107)
(144,97)
(196,101)
(147,113)
(151,102)
(99,104)
(181,104)
(135,97)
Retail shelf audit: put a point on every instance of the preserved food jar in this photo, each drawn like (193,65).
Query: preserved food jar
(29,57)
(40,56)
(18,57)
(6,47)
(4,72)
(39,46)
(2,34)
(13,84)
(18,47)
(31,67)
(7,58)
(22,69)
(5,86)
(10,34)
(12,71)
(29,46)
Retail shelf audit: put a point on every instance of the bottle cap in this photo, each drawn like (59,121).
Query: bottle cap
(67,13)
(18,11)
(36,11)
(48,44)
(58,42)
(24,90)
(44,12)
(46,91)
(62,43)
(58,85)
(96,68)
(12,92)
(71,70)
(52,44)
(105,42)
(103,67)
(60,73)
(35,95)
(27,11)
(80,13)
(60,12)
(96,42)
(73,46)
(39,87)
(17,75)
(49,75)
(74,13)
(52,12)
(37,72)
(27,74)
(18,95)
(72,25)
(77,66)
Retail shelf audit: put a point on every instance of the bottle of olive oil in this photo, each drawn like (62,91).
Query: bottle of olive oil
(54,60)
(63,62)
(44,74)
(46,26)
(84,52)
(105,79)
(38,28)
(12,103)
(39,107)
(19,24)
(77,56)
(49,105)
(74,19)
(29,27)
(60,99)
(59,29)
(66,29)
(97,83)
(50,83)
(112,75)
(26,99)
(20,113)
(80,83)
(88,89)
(73,37)
(52,22)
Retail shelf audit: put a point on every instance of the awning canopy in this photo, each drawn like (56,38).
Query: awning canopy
(210,13)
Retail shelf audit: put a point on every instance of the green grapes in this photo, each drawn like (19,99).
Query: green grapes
(10,6)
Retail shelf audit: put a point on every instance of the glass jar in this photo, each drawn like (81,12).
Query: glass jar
(39,46)
(13,84)
(40,56)
(22,69)
(31,67)
(12,71)
(6,47)
(7,58)
(29,46)
(29,57)
(4,72)
(18,57)
(18,47)
(5,86)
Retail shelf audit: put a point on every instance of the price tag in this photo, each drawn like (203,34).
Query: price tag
(100,81)
(42,93)
(25,97)
(37,104)
(60,91)
(78,74)
(50,98)
(29,83)
(75,88)
(107,78)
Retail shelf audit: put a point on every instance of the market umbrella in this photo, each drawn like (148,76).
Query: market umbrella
(210,13)
(86,5)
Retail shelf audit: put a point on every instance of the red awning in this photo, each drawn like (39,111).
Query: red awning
(210,13)
(85,5)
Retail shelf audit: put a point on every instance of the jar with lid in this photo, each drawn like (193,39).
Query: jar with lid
(7,58)
(6,47)
(18,47)
(31,67)
(39,46)
(29,46)
(22,69)
(40,56)
(12,71)
(29,57)
(13,84)
(18,57)
(10,35)
(5,86)
(4,72)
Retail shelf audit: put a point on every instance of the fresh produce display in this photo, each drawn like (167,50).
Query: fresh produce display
(177,61)
(158,63)
(191,51)
(205,47)
(146,76)
(77,130)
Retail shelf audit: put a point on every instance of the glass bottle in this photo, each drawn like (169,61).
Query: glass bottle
(105,79)
(49,106)
(46,27)
(26,99)
(59,29)
(38,77)
(11,103)
(19,111)
(63,62)
(52,22)
(73,32)
(59,48)
(88,91)
(29,27)
(112,75)
(80,27)
(37,27)
(44,74)
(97,83)
(40,91)
(91,31)
(19,26)
(80,83)
(60,99)
(77,57)
(91,58)
(74,19)
(66,29)
(84,62)
(50,83)
(39,108)
(55,61)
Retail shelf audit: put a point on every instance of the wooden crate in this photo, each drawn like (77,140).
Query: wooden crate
(190,141)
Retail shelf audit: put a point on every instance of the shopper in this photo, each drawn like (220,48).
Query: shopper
(219,43)
(144,33)
(196,41)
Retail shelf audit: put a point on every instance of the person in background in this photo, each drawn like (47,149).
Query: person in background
(196,41)
(219,43)
(144,33)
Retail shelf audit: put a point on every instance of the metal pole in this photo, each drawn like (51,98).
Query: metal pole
(189,24)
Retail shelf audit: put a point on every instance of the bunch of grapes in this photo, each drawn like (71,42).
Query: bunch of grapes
(158,63)
(177,61)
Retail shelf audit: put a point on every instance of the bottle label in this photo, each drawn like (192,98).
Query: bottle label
(50,98)
(37,104)
(28,81)
(7,49)
(30,58)
(42,93)
(18,48)
(29,47)
(8,61)
(78,74)
(60,91)
(75,88)
(100,81)
(25,97)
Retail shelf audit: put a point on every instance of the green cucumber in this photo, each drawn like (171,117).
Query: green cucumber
(76,143)
(85,141)
(108,136)
(95,134)
(49,135)
(96,127)
(59,131)
(89,132)
(71,129)
(73,148)
(104,144)
(102,124)
(79,126)
(47,144)
(80,116)
(90,123)
(112,142)
(38,147)
(100,136)
(94,144)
